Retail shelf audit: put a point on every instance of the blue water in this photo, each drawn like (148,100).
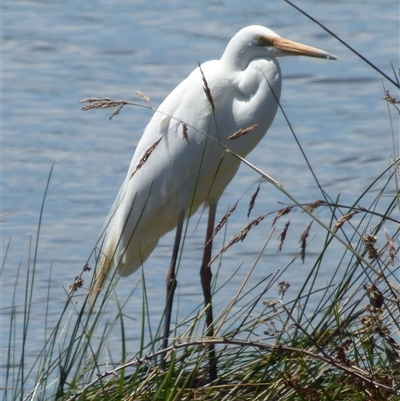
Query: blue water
(56,53)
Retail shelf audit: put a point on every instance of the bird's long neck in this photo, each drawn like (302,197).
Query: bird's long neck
(234,57)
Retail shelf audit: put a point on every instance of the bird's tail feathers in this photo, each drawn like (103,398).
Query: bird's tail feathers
(107,250)
(102,271)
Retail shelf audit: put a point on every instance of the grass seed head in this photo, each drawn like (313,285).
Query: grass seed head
(374,295)
(145,157)
(207,90)
(253,200)
(282,236)
(242,132)
(310,207)
(369,242)
(303,241)
(281,213)
(342,220)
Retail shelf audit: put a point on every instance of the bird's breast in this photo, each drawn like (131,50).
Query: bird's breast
(251,98)
(260,78)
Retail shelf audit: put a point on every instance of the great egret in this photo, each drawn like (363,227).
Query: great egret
(179,163)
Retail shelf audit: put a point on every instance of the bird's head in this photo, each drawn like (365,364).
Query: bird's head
(258,41)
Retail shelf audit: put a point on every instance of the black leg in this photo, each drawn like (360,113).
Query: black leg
(171,286)
(205,277)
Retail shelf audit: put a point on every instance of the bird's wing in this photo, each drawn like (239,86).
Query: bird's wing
(159,179)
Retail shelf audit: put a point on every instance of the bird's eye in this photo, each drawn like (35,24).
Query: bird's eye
(265,40)
(261,40)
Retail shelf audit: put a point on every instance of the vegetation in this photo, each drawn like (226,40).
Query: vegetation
(330,343)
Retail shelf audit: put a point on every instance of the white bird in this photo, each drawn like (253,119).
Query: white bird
(179,163)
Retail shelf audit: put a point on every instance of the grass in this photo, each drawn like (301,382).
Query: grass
(330,343)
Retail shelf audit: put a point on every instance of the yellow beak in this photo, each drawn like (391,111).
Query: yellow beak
(297,49)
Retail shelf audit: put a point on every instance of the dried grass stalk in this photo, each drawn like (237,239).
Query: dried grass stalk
(310,207)
(390,247)
(145,157)
(342,220)
(239,237)
(391,99)
(303,241)
(281,213)
(78,283)
(252,200)
(242,132)
(222,221)
(143,96)
(184,132)
(369,242)
(283,287)
(206,88)
(103,103)
(282,236)
(375,296)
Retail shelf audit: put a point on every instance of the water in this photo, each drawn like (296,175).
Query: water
(56,53)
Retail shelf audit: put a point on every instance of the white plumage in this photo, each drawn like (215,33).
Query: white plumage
(177,166)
